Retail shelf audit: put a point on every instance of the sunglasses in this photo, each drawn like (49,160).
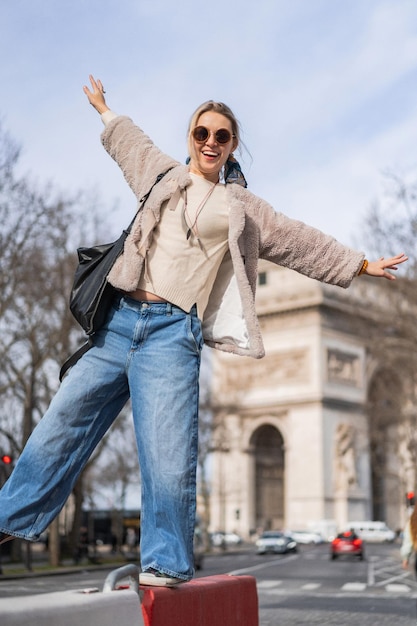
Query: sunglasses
(201,134)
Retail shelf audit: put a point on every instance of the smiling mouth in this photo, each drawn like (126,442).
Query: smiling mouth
(209,154)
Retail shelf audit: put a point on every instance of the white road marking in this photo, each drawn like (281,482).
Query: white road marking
(254,568)
(354,587)
(396,588)
(268,584)
(311,586)
(383,583)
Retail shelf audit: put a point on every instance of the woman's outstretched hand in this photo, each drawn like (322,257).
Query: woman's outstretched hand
(377,268)
(96,96)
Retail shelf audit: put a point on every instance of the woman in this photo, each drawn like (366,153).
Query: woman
(188,271)
(409,543)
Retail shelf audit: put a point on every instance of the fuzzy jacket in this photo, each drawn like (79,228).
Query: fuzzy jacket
(256,231)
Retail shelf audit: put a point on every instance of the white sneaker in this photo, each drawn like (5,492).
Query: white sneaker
(158,579)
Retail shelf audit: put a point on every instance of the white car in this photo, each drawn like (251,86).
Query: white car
(275,542)
(306,536)
(219,539)
(371,531)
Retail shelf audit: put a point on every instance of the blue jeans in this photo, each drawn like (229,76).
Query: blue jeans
(150,352)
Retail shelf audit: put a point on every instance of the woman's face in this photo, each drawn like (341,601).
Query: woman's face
(209,156)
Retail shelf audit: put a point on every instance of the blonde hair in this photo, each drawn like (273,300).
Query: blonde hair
(217,107)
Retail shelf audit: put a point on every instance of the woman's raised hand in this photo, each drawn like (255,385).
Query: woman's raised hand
(377,268)
(96,95)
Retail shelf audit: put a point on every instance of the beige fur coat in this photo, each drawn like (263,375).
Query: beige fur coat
(256,231)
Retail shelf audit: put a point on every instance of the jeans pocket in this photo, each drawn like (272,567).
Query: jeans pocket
(195,332)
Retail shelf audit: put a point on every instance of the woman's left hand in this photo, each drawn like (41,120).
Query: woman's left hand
(377,268)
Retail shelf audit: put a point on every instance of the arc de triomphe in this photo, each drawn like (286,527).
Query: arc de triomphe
(292,441)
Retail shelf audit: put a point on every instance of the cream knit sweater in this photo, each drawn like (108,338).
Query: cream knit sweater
(182,269)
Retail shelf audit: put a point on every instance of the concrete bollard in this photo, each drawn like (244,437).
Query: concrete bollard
(84,607)
(72,608)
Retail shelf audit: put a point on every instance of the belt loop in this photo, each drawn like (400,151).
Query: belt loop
(169,308)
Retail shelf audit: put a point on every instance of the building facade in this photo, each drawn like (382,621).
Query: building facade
(292,441)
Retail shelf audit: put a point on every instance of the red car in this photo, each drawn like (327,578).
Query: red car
(347,543)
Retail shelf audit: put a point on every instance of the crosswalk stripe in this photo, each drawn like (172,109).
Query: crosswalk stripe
(354,587)
(397,588)
(268,584)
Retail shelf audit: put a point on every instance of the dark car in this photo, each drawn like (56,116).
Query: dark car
(347,544)
(275,542)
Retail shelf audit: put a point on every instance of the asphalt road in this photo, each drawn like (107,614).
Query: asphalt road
(306,588)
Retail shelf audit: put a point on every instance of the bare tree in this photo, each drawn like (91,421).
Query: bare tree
(391,225)
(40,230)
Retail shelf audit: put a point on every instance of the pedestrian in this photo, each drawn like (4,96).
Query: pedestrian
(81,550)
(409,541)
(187,276)
(131,540)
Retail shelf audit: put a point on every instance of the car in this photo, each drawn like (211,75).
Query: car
(347,544)
(372,531)
(275,542)
(221,539)
(306,536)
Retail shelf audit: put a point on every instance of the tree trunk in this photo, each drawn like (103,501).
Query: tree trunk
(54,544)
(78,493)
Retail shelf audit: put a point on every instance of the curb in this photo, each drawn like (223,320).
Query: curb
(92,567)
(61,570)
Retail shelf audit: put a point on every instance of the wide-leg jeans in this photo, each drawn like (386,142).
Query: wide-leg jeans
(150,352)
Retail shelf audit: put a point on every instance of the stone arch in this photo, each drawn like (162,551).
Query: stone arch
(267,445)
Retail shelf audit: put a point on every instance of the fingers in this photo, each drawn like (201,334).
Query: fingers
(402,258)
(379,267)
(93,85)
(392,262)
(96,85)
(396,260)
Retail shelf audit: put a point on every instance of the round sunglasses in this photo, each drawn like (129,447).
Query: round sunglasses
(201,134)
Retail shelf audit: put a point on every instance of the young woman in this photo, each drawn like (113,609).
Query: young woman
(187,275)
(409,541)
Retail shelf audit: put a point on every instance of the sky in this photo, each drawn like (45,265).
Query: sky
(325,91)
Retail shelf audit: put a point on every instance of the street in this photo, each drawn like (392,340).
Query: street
(306,588)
